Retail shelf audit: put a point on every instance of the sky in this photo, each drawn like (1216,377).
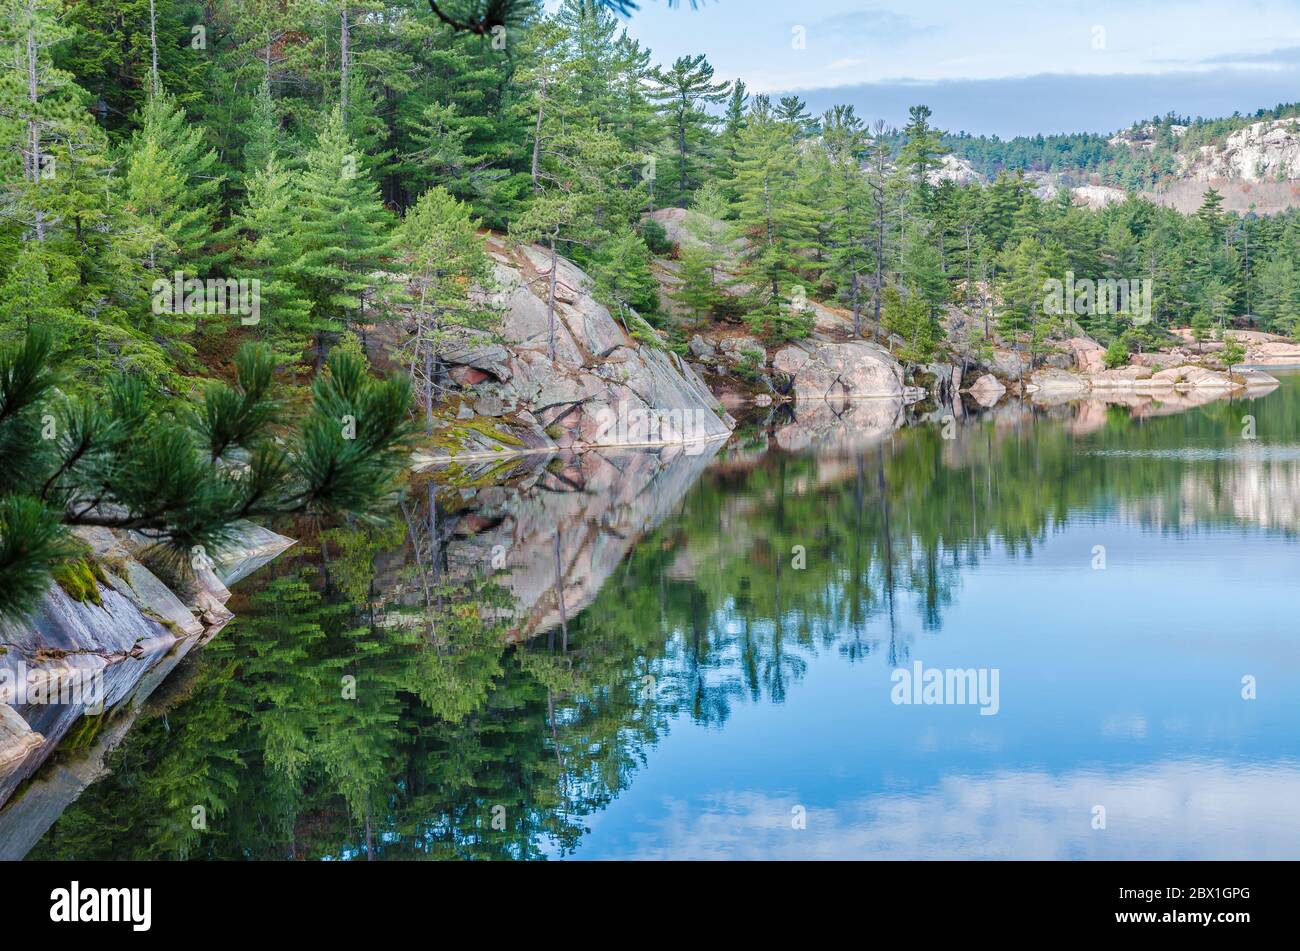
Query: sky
(1005,67)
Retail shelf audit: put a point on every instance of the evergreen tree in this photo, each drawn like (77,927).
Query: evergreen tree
(343,235)
(122,464)
(921,153)
(685,91)
(172,193)
(270,252)
(623,280)
(39,107)
(774,215)
(850,206)
(446,260)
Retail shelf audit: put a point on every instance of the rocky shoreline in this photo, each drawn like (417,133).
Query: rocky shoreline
(122,638)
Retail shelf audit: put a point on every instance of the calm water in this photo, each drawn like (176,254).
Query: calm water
(691,656)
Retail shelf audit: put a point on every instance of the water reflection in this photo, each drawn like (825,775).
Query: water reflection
(1237,813)
(665,653)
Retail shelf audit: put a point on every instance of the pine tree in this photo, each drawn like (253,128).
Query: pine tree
(622,278)
(343,236)
(269,252)
(794,112)
(446,260)
(733,120)
(112,49)
(774,214)
(571,209)
(685,91)
(171,192)
(696,293)
(262,132)
(1024,272)
(921,152)
(120,463)
(850,205)
(39,106)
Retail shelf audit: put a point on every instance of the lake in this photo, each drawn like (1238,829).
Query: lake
(704,653)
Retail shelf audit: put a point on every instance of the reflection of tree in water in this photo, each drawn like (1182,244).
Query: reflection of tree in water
(453,727)
(888,534)
(456,744)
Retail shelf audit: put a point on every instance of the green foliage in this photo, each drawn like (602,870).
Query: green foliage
(130,463)
(620,269)
(343,234)
(1233,351)
(32,542)
(775,214)
(171,191)
(1116,354)
(685,91)
(271,252)
(655,237)
(912,319)
(697,294)
(449,272)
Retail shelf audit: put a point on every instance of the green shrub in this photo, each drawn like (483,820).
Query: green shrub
(1116,354)
(655,237)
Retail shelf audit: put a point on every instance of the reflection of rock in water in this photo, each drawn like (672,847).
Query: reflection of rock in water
(133,640)
(601,503)
(1256,491)
(839,426)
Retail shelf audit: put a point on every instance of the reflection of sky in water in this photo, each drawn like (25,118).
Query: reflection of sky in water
(1119,688)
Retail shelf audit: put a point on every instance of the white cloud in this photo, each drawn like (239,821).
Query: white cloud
(1170,810)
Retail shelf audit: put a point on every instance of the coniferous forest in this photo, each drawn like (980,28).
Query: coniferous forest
(255,266)
(321,148)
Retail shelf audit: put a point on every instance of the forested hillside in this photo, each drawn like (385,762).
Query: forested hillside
(1143,156)
(287,144)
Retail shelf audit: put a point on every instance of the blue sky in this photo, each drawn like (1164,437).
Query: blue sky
(1003,66)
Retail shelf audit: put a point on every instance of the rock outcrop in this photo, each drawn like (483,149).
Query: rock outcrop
(604,386)
(1097,196)
(1262,151)
(823,369)
(1089,356)
(1054,384)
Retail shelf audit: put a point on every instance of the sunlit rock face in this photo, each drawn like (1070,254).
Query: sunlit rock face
(828,370)
(553,539)
(85,655)
(1262,151)
(602,387)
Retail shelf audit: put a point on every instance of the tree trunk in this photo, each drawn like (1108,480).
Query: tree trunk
(34,127)
(345,52)
(153,49)
(550,303)
(682,177)
(853,293)
(428,390)
(537,140)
